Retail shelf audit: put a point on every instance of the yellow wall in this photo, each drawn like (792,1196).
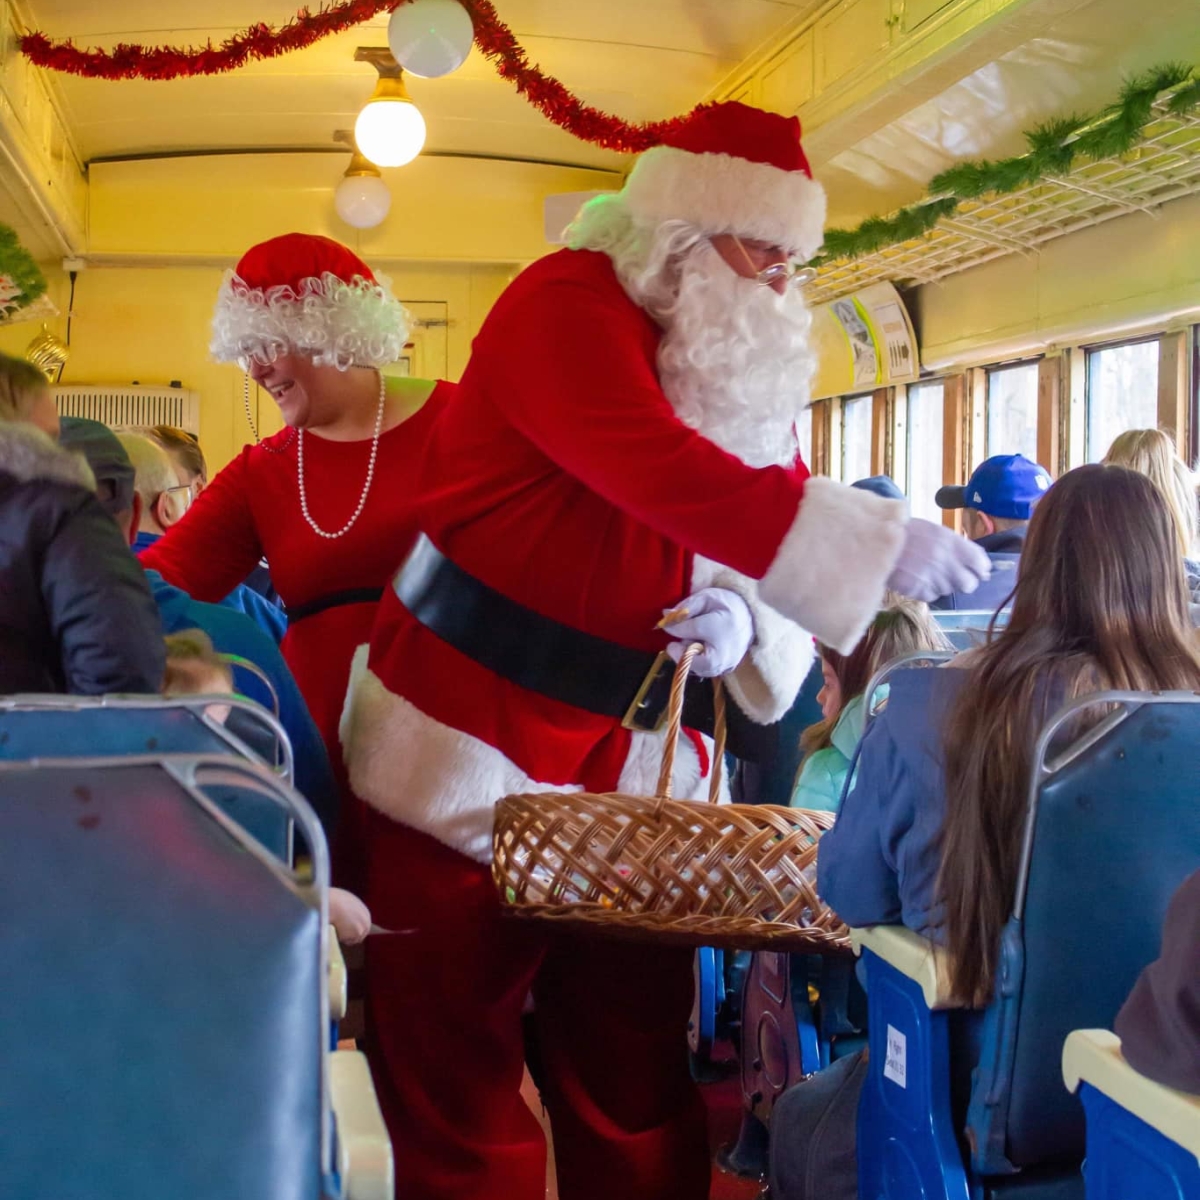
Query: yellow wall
(162,232)
(151,325)
(1132,272)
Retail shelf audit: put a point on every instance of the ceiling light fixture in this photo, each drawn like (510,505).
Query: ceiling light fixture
(390,130)
(362,199)
(431,38)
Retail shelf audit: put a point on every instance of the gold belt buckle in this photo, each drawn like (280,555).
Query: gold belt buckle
(641,702)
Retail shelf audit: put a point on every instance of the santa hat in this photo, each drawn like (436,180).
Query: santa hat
(729,168)
(301,292)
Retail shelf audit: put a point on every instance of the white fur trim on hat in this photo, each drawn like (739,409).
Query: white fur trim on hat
(719,193)
(343,324)
(765,684)
(831,569)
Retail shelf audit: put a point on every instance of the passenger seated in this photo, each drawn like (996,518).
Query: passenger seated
(194,668)
(1151,452)
(25,396)
(166,496)
(828,746)
(185,453)
(76,614)
(231,633)
(1159,1025)
(1100,603)
(997,502)
(192,468)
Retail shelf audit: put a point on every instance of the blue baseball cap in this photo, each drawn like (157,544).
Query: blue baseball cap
(881,485)
(1006,485)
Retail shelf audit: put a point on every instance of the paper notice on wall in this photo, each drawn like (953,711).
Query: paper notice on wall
(895,1066)
(855,325)
(894,342)
(862,342)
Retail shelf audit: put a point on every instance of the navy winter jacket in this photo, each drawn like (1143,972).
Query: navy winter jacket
(76,614)
(1004,549)
(878,865)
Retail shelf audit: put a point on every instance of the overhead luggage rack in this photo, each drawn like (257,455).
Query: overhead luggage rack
(1163,167)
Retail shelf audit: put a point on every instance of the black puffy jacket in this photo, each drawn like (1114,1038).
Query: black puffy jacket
(76,613)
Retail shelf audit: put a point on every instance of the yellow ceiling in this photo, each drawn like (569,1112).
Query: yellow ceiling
(641,60)
(934,82)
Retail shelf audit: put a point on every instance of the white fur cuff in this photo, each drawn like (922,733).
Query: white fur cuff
(831,569)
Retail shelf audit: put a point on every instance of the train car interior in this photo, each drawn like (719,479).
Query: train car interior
(375,375)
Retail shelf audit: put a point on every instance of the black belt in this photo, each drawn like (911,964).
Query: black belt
(334,600)
(556,660)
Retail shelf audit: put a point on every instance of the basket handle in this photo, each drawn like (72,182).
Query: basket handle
(675,720)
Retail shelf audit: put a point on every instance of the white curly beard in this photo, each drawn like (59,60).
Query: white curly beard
(735,359)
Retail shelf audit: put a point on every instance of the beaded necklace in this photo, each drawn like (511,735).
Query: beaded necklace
(298,436)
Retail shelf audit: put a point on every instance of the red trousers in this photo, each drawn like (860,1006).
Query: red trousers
(445,1043)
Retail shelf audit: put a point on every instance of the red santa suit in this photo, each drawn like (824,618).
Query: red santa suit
(560,476)
(301,293)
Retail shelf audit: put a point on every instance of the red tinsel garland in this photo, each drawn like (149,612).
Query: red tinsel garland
(494,39)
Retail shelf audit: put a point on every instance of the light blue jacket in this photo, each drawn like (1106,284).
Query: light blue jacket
(823,772)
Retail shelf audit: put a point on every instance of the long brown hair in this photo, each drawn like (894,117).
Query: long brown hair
(904,627)
(1100,603)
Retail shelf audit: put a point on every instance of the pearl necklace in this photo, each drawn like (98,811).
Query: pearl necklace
(254,428)
(362,500)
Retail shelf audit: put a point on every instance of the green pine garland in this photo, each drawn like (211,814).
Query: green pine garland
(17,263)
(1054,148)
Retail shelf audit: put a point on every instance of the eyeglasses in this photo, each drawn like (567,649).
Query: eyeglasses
(182,487)
(793,274)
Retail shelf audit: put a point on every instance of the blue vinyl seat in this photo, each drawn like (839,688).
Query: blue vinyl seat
(165,1003)
(38,727)
(967,1105)
(1143,1139)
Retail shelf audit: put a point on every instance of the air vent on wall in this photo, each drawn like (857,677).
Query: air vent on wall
(134,405)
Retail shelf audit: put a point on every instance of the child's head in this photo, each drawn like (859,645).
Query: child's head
(25,395)
(195,669)
(904,627)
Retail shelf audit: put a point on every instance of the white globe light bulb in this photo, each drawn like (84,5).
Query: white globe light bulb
(390,132)
(430,38)
(362,201)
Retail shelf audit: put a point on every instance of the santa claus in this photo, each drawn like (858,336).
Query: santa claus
(623,439)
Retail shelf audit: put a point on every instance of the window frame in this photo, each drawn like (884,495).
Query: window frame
(1086,350)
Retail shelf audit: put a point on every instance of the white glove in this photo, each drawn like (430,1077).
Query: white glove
(721,620)
(936,561)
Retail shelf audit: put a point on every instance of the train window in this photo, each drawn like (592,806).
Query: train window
(856,437)
(804,437)
(925,404)
(1012,410)
(1122,393)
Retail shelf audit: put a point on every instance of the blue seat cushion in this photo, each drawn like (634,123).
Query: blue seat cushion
(161,1000)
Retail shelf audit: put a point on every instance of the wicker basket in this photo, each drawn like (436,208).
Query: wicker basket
(663,870)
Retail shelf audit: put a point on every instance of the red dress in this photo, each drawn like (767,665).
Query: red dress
(252,509)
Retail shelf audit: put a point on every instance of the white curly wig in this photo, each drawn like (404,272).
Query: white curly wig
(307,294)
